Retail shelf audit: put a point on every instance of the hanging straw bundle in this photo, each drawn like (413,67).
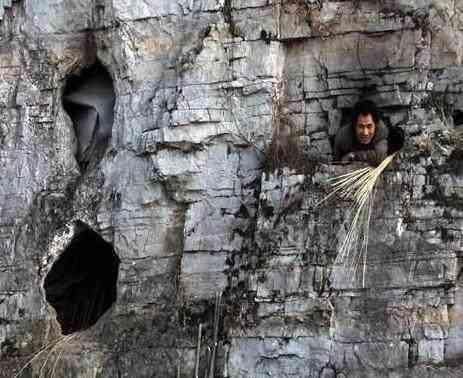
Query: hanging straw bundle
(359,186)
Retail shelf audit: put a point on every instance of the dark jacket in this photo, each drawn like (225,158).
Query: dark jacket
(373,153)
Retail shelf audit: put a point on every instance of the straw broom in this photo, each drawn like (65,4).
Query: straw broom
(360,186)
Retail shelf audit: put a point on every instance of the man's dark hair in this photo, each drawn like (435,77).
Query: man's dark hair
(363,108)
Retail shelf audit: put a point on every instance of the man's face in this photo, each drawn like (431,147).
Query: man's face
(365,128)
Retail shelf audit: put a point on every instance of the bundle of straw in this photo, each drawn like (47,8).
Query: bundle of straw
(360,186)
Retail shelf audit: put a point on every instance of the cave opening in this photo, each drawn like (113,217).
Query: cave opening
(82,284)
(89,99)
(457,118)
(395,139)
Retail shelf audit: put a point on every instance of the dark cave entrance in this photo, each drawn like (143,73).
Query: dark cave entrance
(82,283)
(89,100)
(457,118)
(395,140)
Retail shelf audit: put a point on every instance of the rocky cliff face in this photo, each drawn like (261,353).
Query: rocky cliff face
(182,145)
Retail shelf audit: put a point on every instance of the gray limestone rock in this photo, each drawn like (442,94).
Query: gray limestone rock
(217,148)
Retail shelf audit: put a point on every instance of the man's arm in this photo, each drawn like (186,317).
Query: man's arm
(376,156)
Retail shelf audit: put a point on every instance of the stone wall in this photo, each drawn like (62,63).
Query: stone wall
(220,149)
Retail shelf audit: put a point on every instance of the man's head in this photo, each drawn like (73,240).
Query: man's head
(364,121)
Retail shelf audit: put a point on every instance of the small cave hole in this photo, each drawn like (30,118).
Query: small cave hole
(457,118)
(395,140)
(82,284)
(89,99)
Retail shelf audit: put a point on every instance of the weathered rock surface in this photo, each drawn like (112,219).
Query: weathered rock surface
(220,148)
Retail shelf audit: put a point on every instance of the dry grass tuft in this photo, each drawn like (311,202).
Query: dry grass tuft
(285,148)
(360,187)
(59,344)
(456,138)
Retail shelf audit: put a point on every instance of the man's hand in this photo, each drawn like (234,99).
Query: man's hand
(348,157)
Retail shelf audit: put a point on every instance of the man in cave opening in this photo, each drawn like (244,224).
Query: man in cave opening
(365,138)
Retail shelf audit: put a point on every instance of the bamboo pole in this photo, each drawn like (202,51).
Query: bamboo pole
(218,299)
(198,350)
